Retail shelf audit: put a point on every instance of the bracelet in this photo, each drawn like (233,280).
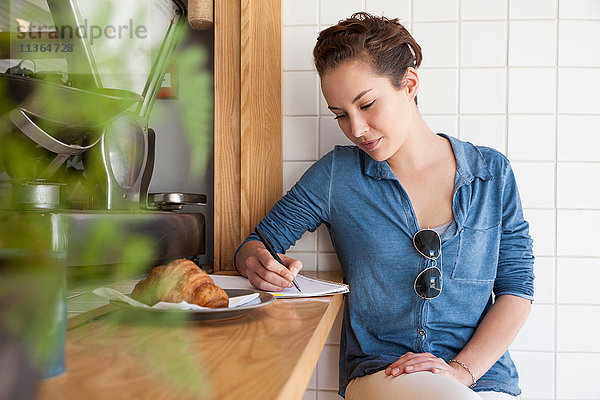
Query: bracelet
(467,369)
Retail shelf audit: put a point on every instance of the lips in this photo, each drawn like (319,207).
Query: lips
(371,144)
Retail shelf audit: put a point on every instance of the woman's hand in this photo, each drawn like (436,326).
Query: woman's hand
(415,362)
(265,273)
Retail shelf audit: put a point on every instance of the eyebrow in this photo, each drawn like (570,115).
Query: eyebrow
(361,94)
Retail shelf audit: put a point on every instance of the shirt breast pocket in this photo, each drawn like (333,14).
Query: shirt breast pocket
(477,256)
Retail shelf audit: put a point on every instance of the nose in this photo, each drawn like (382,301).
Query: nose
(358,126)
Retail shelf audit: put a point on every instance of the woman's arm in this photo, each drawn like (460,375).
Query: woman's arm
(255,263)
(493,336)
(303,208)
(491,339)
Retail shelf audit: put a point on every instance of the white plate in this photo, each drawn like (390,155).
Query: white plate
(213,313)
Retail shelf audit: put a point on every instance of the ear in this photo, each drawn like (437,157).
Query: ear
(411,82)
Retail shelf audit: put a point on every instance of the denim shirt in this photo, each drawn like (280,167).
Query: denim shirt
(371,222)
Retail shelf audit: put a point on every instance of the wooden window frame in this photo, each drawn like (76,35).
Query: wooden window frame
(248,120)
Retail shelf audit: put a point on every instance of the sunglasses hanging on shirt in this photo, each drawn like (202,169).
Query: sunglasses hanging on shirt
(428,284)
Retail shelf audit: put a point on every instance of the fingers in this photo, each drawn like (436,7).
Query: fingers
(407,357)
(258,282)
(292,264)
(414,362)
(265,273)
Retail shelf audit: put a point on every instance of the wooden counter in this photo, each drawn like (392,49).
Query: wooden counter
(269,353)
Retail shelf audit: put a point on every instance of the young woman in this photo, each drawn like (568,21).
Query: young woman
(428,229)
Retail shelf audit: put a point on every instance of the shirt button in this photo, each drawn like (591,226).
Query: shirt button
(421,332)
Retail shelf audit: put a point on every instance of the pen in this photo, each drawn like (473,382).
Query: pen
(265,240)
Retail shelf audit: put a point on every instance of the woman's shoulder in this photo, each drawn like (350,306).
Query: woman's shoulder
(477,156)
(495,159)
(342,153)
(341,157)
(481,161)
(491,154)
(346,149)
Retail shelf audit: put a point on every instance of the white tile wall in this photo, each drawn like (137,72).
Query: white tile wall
(578,328)
(532,131)
(308,14)
(568,273)
(438,89)
(578,138)
(327,368)
(576,41)
(300,138)
(584,222)
(442,37)
(443,123)
(530,9)
(434,10)
(482,9)
(542,227)
(522,76)
(578,185)
(308,242)
(579,9)
(545,278)
(531,90)
(292,171)
(536,183)
(483,91)
(536,374)
(484,130)
(312,384)
(577,376)
(330,135)
(334,10)
(310,395)
(483,44)
(309,260)
(297,46)
(527,35)
(578,90)
(300,93)
(537,334)
(391,9)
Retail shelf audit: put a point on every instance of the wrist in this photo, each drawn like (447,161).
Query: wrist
(463,373)
(243,254)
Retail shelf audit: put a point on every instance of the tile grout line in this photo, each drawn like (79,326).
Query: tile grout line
(412,15)
(555,375)
(318,5)
(472,114)
(459,71)
(317,152)
(507,74)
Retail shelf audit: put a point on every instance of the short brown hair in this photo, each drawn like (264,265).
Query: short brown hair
(384,43)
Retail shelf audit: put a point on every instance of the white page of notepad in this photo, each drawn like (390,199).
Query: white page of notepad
(310,286)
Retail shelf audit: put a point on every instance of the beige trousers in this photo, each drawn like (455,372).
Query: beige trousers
(416,386)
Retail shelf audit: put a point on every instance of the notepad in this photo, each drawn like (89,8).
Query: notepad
(311,287)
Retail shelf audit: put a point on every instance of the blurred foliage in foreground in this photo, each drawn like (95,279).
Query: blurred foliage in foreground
(32,268)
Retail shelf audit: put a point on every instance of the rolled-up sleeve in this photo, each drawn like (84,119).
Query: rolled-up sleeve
(515,263)
(303,208)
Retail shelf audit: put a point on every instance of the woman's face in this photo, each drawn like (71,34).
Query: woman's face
(371,112)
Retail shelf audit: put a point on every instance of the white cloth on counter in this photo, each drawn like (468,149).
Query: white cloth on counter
(112,294)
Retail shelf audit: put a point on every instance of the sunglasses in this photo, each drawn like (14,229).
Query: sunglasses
(428,284)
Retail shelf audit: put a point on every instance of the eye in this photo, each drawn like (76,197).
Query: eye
(362,108)
(368,105)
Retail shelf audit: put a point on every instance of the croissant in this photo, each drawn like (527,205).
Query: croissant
(180,280)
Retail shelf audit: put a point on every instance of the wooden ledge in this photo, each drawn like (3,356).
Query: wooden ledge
(269,353)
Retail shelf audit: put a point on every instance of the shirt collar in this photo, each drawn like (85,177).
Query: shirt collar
(470,163)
